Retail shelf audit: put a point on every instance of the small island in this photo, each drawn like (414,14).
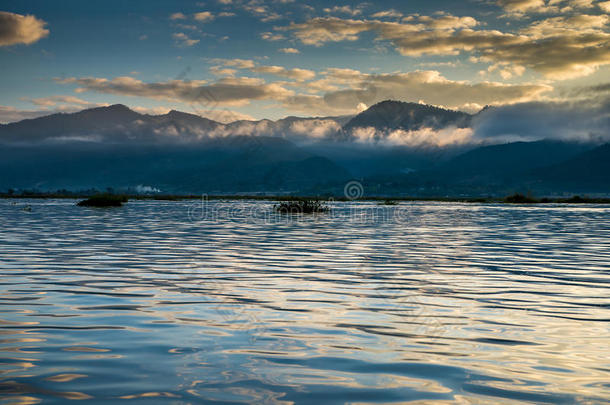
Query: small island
(300,206)
(103,200)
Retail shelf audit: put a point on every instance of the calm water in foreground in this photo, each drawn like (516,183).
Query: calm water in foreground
(171,302)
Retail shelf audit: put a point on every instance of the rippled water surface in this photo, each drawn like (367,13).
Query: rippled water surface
(170,302)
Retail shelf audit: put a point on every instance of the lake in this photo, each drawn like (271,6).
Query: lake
(227,302)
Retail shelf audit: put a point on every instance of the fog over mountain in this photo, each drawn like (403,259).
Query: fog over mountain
(392,147)
(584,120)
(385,123)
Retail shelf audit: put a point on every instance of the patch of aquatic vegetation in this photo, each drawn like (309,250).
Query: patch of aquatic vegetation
(300,206)
(520,199)
(103,200)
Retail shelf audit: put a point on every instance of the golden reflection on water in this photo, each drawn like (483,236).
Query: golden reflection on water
(453,303)
(65,377)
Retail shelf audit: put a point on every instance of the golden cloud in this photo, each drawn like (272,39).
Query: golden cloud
(20,29)
(559,48)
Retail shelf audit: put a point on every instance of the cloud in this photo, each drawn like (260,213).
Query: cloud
(319,30)
(315,128)
(295,74)
(47,105)
(337,91)
(187,27)
(228,91)
(517,8)
(289,50)
(448,22)
(271,36)
(605,6)
(19,29)
(424,136)
(558,48)
(12,114)
(559,57)
(260,10)
(184,40)
(564,26)
(505,70)
(343,10)
(387,14)
(585,120)
(177,16)
(221,71)
(53,101)
(248,64)
(437,64)
(521,6)
(299,129)
(427,86)
(152,110)
(203,16)
(237,63)
(592,91)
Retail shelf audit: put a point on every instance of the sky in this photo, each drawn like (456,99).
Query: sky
(254,59)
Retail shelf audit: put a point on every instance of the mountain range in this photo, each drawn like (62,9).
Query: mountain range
(185,153)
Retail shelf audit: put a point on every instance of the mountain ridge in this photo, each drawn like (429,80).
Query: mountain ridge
(113,122)
(391,115)
(179,152)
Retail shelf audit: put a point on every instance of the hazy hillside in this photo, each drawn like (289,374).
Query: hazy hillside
(232,164)
(115,123)
(185,153)
(589,171)
(118,123)
(507,161)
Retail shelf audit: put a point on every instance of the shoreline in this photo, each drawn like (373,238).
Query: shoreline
(380,199)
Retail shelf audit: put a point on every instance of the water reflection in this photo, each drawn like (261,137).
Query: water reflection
(424,301)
